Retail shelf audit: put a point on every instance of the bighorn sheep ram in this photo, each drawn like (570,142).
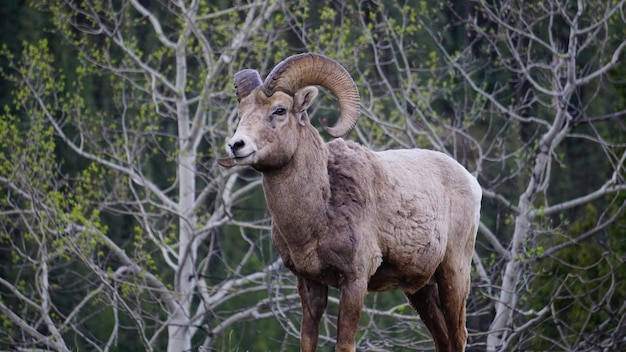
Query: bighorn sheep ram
(351,218)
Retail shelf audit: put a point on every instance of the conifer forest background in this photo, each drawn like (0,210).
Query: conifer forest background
(119,231)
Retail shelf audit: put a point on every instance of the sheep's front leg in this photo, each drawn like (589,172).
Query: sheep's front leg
(351,297)
(314,296)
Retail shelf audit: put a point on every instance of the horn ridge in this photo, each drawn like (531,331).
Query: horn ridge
(306,69)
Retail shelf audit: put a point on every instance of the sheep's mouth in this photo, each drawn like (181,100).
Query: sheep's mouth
(239,159)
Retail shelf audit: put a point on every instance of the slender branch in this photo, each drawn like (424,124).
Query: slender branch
(30,330)
(601,118)
(601,192)
(599,227)
(605,68)
(495,242)
(156,24)
(502,200)
(136,177)
(254,312)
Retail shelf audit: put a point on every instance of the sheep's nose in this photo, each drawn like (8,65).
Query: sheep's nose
(237,145)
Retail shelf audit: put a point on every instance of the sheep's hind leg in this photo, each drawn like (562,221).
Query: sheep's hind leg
(314,297)
(453,279)
(427,303)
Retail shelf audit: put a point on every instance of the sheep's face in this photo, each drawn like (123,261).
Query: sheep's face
(267,136)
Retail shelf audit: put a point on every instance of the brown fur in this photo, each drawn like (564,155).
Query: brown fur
(347,217)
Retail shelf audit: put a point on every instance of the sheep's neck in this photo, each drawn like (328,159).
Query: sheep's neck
(297,194)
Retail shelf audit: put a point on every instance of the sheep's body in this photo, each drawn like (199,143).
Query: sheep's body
(359,220)
(377,206)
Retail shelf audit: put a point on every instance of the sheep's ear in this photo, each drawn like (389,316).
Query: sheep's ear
(302,100)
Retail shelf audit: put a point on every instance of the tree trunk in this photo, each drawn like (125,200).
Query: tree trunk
(179,328)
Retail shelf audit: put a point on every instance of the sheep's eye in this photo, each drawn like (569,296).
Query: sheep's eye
(280,111)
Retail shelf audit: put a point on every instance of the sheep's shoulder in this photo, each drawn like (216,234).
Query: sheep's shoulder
(353,171)
(355,174)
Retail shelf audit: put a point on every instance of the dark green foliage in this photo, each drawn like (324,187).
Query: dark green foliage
(584,286)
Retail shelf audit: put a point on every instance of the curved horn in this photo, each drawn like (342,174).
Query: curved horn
(245,82)
(308,69)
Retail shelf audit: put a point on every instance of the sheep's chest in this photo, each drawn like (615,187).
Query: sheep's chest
(329,262)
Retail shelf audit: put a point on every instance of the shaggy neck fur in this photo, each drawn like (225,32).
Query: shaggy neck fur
(297,194)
